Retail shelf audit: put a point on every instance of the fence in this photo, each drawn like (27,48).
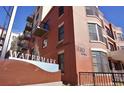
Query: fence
(101,79)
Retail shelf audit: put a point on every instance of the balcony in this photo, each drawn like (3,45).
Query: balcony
(110,33)
(101,79)
(117,55)
(23,44)
(41,30)
(28,26)
(27,35)
(30,19)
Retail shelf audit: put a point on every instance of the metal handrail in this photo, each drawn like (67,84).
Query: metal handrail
(101,78)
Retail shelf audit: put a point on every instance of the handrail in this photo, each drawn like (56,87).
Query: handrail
(101,78)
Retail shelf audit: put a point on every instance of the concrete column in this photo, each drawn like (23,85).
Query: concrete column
(8,34)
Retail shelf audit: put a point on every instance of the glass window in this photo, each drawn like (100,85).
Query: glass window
(96,62)
(100,33)
(92,10)
(118,66)
(61,62)
(92,31)
(100,61)
(105,63)
(61,33)
(46,25)
(61,10)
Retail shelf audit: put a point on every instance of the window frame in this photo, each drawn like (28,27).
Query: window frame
(61,63)
(91,32)
(97,33)
(93,10)
(60,11)
(60,33)
(101,65)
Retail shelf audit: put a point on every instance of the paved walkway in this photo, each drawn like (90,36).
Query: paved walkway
(48,84)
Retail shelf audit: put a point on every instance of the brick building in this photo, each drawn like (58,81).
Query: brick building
(79,38)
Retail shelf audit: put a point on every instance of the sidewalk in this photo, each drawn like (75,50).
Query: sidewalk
(48,84)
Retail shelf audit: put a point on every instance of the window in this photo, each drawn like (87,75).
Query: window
(100,33)
(95,32)
(46,25)
(118,66)
(61,10)
(105,41)
(92,31)
(92,10)
(100,61)
(61,62)
(61,33)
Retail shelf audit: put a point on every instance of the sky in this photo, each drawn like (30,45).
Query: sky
(21,16)
(114,14)
(4,16)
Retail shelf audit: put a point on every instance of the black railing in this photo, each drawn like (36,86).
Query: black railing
(101,79)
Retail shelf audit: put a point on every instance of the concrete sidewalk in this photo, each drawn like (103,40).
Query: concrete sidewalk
(48,84)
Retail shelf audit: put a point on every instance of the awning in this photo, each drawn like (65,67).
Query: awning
(117,55)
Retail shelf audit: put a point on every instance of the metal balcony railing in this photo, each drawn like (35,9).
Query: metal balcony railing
(27,35)
(30,19)
(101,79)
(28,26)
(110,34)
(23,44)
(42,29)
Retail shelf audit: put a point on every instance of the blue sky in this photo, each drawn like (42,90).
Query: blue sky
(4,19)
(114,14)
(21,16)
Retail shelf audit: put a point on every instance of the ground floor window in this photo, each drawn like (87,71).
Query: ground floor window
(61,62)
(118,66)
(100,61)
